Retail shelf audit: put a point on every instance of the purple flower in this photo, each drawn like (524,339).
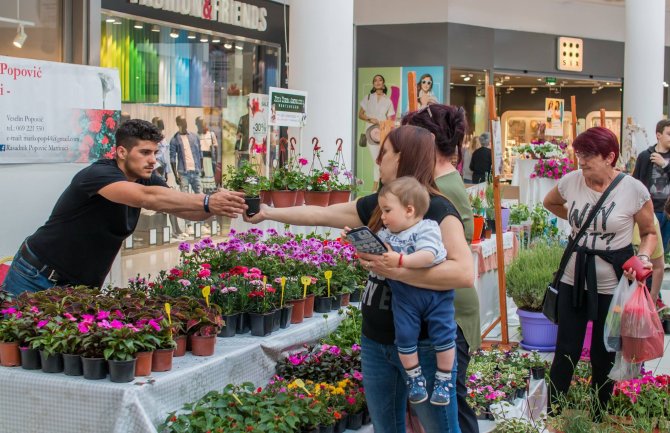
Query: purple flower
(116,324)
(42,323)
(184,247)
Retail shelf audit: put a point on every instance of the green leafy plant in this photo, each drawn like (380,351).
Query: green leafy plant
(121,344)
(517,425)
(9,325)
(252,186)
(519,213)
(348,332)
(51,336)
(530,272)
(540,225)
(235,178)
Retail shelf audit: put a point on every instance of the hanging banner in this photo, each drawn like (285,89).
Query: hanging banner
(287,107)
(554,113)
(57,112)
(258,116)
(496,138)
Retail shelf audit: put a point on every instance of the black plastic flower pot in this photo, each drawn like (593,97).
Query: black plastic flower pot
(286,312)
(310,429)
(666,326)
(243,324)
(30,358)
(121,371)
(355,295)
(341,424)
(327,428)
(254,204)
(51,363)
(276,320)
(520,393)
(355,421)
(336,303)
(94,368)
(72,365)
(537,372)
(323,304)
(230,326)
(366,416)
(261,324)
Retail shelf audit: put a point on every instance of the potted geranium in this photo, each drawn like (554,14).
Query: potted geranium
(342,181)
(527,279)
(317,191)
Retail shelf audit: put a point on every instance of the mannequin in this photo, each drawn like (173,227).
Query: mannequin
(186,157)
(209,146)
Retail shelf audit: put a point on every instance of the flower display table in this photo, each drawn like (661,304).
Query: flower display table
(33,401)
(240,226)
(485,260)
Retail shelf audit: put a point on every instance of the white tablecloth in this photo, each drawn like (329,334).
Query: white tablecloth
(32,401)
(521,176)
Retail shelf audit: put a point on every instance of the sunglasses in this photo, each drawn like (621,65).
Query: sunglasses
(426,82)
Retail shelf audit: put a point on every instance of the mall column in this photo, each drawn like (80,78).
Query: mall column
(644,65)
(321,62)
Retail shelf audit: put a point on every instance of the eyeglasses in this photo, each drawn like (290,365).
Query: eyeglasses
(426,82)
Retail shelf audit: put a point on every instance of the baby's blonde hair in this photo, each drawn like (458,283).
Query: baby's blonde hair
(409,192)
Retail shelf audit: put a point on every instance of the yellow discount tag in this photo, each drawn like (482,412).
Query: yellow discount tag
(306,281)
(283,286)
(205,294)
(167,311)
(328,275)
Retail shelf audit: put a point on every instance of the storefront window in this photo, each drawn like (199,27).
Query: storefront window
(43,40)
(203,79)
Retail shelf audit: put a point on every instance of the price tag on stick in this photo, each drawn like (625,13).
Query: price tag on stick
(306,281)
(328,275)
(205,294)
(283,286)
(167,311)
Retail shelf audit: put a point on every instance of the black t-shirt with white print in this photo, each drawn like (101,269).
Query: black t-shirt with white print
(376,302)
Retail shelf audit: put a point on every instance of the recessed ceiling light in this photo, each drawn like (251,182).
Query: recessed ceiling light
(117,21)
(109,20)
(216,39)
(498,84)
(191,35)
(466,79)
(462,75)
(138,25)
(174,33)
(238,46)
(506,77)
(227,45)
(204,38)
(155,28)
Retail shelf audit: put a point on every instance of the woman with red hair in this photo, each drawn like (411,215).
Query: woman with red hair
(595,267)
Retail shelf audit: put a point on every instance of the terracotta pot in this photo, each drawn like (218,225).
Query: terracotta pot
(180,350)
(9,354)
(283,198)
(298,313)
(203,346)
(266,197)
(162,360)
(345,299)
(487,233)
(339,197)
(317,198)
(143,365)
(309,305)
(300,197)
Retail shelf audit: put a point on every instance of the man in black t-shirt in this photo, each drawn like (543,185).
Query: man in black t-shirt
(100,208)
(652,168)
(480,163)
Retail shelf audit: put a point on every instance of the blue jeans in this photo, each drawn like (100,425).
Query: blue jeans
(664,224)
(191,178)
(24,277)
(386,391)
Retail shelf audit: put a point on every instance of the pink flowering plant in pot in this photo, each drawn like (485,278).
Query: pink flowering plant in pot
(10,319)
(553,168)
(322,363)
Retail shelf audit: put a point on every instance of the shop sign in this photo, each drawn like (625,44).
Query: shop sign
(287,107)
(570,54)
(231,12)
(57,112)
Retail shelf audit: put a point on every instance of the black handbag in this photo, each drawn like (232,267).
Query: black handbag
(550,302)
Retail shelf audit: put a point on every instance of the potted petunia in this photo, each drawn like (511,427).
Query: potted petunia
(252,197)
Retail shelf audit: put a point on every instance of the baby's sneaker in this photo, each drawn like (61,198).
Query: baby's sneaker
(417,389)
(441,391)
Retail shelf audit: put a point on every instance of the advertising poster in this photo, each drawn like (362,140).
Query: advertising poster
(496,137)
(287,107)
(56,112)
(554,114)
(258,116)
(429,85)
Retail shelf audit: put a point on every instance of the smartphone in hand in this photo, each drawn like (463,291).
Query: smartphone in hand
(366,241)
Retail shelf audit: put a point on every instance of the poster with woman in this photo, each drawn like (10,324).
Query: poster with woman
(554,114)
(429,86)
(378,96)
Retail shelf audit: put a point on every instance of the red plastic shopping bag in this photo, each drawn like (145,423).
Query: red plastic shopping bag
(641,329)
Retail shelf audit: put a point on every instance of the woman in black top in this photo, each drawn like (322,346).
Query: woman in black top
(407,151)
(480,164)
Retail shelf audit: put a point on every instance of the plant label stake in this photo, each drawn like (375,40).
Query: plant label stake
(205,294)
(328,275)
(283,285)
(167,311)
(265,282)
(306,281)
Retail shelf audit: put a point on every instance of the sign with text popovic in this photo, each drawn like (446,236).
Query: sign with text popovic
(258,117)
(287,107)
(57,112)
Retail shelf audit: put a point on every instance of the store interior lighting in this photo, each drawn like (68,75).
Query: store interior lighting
(117,22)
(138,25)
(174,33)
(239,46)
(228,45)
(665,84)
(204,38)
(191,35)
(20,37)
(110,20)
(155,28)
(216,40)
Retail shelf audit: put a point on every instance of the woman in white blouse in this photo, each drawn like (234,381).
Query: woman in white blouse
(374,108)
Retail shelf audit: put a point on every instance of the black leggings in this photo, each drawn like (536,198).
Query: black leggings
(467,419)
(571,330)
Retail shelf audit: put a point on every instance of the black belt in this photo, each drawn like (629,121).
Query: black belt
(50,273)
(207,153)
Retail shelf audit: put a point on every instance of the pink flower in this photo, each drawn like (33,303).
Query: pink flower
(83,328)
(358,376)
(204,273)
(88,318)
(206,266)
(104,324)
(185,283)
(10,310)
(154,325)
(70,317)
(42,323)
(119,314)
(302,161)
(116,324)
(102,315)
(34,309)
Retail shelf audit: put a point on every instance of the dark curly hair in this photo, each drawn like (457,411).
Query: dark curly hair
(447,123)
(133,130)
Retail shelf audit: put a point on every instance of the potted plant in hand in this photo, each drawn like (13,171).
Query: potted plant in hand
(245,178)
(121,345)
(527,279)
(252,198)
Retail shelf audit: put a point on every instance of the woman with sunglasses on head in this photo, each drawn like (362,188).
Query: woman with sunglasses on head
(424,91)
(374,108)
(407,151)
(448,124)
